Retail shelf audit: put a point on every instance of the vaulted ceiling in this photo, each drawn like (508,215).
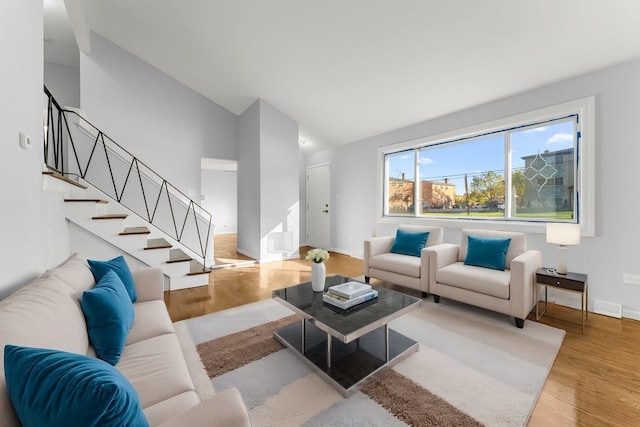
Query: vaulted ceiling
(350,69)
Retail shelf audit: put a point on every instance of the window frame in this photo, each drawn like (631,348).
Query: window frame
(584,108)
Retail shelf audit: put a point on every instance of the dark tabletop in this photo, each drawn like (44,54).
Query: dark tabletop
(386,307)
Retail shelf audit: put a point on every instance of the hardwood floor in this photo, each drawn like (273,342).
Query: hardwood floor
(595,380)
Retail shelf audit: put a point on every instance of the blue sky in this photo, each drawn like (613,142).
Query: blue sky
(454,160)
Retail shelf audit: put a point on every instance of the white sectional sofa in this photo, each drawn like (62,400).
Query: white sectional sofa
(47,313)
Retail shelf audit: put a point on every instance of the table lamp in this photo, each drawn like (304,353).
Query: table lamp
(563,234)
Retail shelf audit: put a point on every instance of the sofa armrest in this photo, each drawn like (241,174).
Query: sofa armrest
(376,246)
(225,409)
(379,245)
(440,256)
(149,284)
(425,260)
(443,255)
(522,292)
(9,417)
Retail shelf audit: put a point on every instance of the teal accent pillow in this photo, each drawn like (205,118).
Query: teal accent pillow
(109,314)
(56,388)
(119,265)
(487,252)
(409,243)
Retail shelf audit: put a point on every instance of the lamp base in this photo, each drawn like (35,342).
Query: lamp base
(561,263)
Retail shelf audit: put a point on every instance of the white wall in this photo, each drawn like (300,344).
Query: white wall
(220,189)
(167,125)
(63,82)
(302,195)
(604,257)
(249,181)
(279,180)
(33,228)
(268,179)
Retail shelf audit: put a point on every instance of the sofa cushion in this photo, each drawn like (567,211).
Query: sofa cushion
(477,279)
(396,263)
(56,388)
(151,320)
(167,409)
(409,243)
(487,252)
(75,272)
(156,368)
(44,313)
(517,246)
(109,315)
(120,267)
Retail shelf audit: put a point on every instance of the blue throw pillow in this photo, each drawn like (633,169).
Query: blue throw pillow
(109,314)
(56,388)
(409,243)
(119,265)
(487,252)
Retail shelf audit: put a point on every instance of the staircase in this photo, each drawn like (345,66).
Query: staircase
(115,196)
(105,218)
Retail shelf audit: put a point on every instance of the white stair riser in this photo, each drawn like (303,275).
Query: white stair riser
(191,282)
(80,209)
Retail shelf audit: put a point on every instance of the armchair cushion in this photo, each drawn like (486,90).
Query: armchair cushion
(397,263)
(477,279)
(409,243)
(488,252)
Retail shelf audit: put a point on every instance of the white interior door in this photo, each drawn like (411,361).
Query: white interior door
(318,209)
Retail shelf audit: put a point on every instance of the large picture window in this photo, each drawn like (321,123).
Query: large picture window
(528,168)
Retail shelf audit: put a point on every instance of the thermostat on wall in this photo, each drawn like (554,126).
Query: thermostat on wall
(25,141)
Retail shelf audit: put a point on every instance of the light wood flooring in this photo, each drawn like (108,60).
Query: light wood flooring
(595,380)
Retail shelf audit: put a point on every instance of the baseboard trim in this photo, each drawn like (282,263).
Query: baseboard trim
(630,314)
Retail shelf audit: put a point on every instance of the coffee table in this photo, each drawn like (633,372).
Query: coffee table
(345,348)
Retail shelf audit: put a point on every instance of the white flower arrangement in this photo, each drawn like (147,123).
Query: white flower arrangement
(317,255)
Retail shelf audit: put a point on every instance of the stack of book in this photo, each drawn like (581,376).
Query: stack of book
(349,294)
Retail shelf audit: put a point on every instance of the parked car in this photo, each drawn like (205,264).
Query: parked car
(495,205)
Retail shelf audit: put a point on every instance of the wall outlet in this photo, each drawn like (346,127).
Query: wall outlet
(631,279)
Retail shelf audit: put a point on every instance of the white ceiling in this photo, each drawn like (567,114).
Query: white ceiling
(350,69)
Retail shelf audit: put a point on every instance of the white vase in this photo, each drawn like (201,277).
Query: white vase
(318,274)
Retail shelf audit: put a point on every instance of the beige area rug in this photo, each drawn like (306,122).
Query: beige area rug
(473,368)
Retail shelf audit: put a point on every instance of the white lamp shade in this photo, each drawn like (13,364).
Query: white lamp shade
(562,233)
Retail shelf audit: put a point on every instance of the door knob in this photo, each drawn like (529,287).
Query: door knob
(326,211)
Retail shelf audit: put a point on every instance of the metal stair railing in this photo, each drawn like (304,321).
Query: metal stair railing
(73,146)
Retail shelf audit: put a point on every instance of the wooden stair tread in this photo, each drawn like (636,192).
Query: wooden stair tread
(87,200)
(196,267)
(157,244)
(111,216)
(64,178)
(177,255)
(134,230)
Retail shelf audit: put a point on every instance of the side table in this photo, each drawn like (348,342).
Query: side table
(571,282)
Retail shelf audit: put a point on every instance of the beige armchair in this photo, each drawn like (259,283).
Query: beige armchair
(403,270)
(511,291)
